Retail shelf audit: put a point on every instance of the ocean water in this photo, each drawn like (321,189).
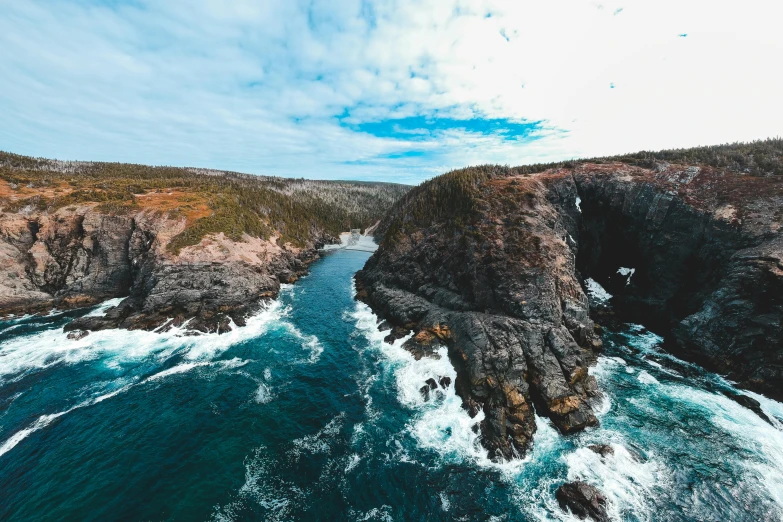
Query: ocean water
(306,414)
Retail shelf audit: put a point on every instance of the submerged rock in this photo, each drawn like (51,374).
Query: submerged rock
(749,403)
(605,450)
(583,500)
(78,334)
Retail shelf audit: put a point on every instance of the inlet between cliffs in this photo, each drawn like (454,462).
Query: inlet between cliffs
(306,413)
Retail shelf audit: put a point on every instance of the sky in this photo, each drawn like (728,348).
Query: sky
(386,90)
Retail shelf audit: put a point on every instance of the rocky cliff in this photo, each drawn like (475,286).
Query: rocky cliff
(491,262)
(180,245)
(81,256)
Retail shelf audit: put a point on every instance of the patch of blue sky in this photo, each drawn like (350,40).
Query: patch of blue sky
(421,128)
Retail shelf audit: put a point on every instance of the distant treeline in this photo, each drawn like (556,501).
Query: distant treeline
(296,209)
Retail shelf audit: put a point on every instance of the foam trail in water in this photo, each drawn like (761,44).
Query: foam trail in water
(115,347)
(765,441)
(19,436)
(45,420)
(265,487)
(627,483)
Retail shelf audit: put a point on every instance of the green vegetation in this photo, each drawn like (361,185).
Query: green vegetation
(757,158)
(453,200)
(212,201)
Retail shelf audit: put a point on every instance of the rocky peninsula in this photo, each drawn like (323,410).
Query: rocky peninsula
(492,262)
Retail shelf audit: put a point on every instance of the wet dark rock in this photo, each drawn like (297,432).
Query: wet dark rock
(79,257)
(396,333)
(749,403)
(286,276)
(431,383)
(445,381)
(583,500)
(605,450)
(78,334)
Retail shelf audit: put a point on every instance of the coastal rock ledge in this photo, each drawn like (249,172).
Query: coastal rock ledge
(492,263)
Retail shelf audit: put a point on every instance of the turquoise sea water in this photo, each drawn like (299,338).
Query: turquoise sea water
(305,414)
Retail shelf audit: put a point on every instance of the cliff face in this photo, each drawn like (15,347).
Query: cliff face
(497,285)
(80,256)
(494,270)
(707,250)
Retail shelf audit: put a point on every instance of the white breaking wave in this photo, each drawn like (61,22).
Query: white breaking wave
(765,441)
(102,308)
(115,347)
(646,378)
(627,483)
(440,424)
(596,292)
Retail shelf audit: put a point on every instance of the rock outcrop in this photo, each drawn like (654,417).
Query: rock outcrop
(491,263)
(501,293)
(181,244)
(583,500)
(706,247)
(80,256)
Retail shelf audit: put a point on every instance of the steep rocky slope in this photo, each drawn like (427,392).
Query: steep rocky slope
(492,261)
(180,244)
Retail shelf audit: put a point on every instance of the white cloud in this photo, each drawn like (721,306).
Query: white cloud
(259,86)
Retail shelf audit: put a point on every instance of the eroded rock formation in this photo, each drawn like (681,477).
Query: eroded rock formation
(501,293)
(79,256)
(491,263)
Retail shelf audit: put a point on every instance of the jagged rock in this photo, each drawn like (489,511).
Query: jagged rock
(708,260)
(286,276)
(78,334)
(749,403)
(583,500)
(79,256)
(604,450)
(397,332)
(429,386)
(445,382)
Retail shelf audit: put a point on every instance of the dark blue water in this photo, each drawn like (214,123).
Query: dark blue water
(305,414)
